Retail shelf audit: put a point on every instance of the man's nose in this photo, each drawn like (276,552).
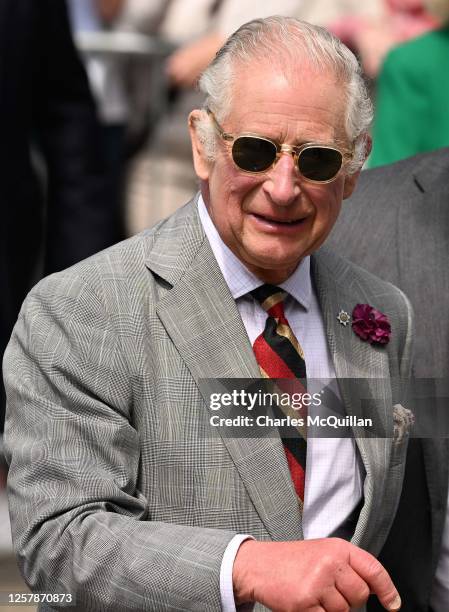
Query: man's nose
(283,181)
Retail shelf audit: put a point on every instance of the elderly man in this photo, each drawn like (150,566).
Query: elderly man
(121,493)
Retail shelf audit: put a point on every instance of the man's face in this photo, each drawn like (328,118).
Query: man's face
(274,219)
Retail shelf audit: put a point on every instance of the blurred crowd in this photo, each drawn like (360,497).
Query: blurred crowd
(94,140)
(148,140)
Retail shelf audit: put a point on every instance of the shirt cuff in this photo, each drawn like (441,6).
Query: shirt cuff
(227,564)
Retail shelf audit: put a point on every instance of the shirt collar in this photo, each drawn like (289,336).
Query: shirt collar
(239,279)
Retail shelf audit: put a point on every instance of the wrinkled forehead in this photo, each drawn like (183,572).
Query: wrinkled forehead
(265,93)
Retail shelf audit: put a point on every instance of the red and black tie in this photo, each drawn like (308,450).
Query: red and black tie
(280,355)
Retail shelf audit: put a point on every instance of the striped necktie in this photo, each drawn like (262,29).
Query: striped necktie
(280,355)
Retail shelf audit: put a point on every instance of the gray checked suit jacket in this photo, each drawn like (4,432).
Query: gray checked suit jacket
(120,493)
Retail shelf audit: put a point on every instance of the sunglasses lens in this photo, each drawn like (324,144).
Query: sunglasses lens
(253,154)
(319,163)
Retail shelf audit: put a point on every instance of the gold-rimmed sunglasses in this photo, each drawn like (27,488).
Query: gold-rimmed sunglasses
(252,153)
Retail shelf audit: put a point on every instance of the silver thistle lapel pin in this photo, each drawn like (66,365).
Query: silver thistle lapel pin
(343,317)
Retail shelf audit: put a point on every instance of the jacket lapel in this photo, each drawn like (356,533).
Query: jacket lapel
(202,319)
(337,290)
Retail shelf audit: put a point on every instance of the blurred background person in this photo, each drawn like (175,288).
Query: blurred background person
(401,211)
(412,101)
(371,28)
(107,85)
(61,214)
(115,72)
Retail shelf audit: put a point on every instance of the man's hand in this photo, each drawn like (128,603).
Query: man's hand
(328,575)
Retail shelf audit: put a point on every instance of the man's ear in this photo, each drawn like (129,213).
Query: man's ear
(200,160)
(351,180)
(350,183)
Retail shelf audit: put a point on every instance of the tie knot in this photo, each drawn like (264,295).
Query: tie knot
(271,298)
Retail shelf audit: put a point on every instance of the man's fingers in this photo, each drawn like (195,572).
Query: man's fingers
(377,578)
(333,601)
(352,587)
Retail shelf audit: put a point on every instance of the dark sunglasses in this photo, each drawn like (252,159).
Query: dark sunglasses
(253,153)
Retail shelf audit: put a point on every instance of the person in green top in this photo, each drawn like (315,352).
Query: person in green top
(412,101)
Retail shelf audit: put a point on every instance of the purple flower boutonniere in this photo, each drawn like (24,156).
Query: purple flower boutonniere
(370,324)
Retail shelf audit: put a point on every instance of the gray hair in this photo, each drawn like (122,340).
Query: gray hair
(281,38)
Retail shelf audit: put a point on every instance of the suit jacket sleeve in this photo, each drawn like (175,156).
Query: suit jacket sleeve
(80,524)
